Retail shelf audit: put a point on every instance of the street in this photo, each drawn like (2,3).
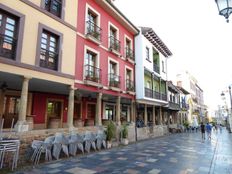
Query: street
(174,154)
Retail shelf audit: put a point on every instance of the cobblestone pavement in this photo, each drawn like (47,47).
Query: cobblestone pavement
(183,153)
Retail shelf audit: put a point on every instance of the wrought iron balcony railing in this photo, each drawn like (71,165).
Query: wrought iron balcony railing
(48,59)
(115,44)
(154,94)
(7,47)
(114,80)
(129,53)
(175,106)
(92,73)
(164,97)
(156,68)
(93,30)
(130,85)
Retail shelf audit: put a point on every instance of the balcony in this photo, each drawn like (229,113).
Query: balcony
(164,97)
(92,73)
(115,45)
(114,80)
(130,85)
(129,54)
(156,68)
(93,32)
(153,94)
(184,106)
(174,106)
(48,59)
(7,47)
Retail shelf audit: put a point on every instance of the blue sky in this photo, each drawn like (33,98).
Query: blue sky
(198,37)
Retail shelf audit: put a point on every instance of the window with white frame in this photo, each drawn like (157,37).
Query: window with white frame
(114,78)
(114,43)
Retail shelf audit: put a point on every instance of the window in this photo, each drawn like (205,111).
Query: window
(49,50)
(149,84)
(129,51)
(91,71)
(8,35)
(147,54)
(53,6)
(114,79)
(92,25)
(129,82)
(163,68)
(114,42)
(156,61)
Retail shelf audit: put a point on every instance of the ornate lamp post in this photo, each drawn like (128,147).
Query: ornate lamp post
(224,8)
(229,116)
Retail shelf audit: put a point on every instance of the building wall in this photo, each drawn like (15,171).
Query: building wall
(33,18)
(104,53)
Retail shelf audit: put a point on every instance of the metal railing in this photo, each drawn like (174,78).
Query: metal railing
(130,85)
(93,30)
(115,44)
(129,53)
(48,59)
(156,68)
(7,46)
(174,105)
(154,94)
(54,7)
(92,73)
(114,80)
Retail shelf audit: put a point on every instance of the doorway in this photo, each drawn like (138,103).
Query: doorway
(11,106)
(54,112)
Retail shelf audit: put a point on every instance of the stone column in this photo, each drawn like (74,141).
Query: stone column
(98,119)
(22,125)
(2,95)
(133,111)
(153,115)
(160,115)
(70,108)
(145,115)
(118,110)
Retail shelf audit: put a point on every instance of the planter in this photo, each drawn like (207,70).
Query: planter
(105,122)
(125,141)
(108,144)
(30,121)
(78,122)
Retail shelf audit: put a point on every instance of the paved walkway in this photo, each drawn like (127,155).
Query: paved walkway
(175,154)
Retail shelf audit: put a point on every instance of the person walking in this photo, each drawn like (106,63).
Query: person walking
(208,130)
(202,131)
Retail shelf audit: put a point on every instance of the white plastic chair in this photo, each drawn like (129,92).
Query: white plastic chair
(101,140)
(60,142)
(9,146)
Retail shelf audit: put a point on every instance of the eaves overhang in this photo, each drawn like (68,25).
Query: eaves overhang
(150,34)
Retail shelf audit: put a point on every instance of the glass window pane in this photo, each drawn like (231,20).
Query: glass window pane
(43,46)
(44,35)
(52,39)
(52,44)
(44,41)
(10,27)
(9,33)
(10,21)
(51,49)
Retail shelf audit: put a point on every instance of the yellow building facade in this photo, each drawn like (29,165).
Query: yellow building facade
(37,56)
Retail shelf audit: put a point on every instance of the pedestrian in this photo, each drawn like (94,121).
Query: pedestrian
(208,130)
(202,131)
(220,127)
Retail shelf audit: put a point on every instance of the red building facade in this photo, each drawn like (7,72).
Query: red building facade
(105,70)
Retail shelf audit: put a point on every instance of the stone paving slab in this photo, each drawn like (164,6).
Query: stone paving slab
(175,154)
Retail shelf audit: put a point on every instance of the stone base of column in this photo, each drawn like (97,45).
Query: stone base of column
(21,126)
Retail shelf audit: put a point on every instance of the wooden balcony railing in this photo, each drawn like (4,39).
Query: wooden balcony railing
(154,94)
(175,106)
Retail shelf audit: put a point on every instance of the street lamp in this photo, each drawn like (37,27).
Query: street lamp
(224,8)
(230,109)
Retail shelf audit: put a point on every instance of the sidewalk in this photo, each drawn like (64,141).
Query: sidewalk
(222,160)
(183,153)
